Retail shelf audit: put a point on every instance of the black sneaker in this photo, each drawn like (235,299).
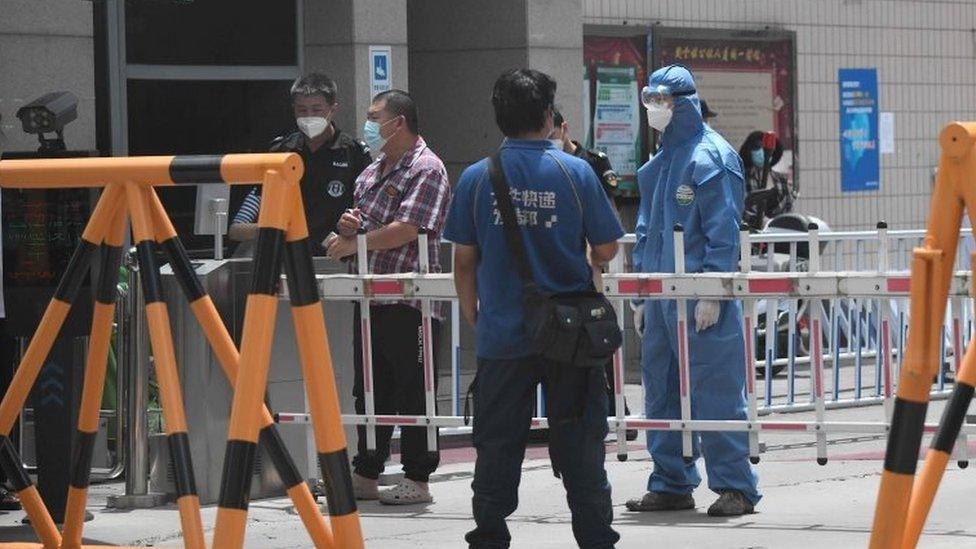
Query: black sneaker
(661,501)
(731,503)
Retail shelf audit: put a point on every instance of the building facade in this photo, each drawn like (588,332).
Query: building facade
(186,77)
(925,56)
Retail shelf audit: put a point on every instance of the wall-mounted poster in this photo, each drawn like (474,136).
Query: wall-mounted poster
(616,118)
(860,163)
(747,77)
(616,58)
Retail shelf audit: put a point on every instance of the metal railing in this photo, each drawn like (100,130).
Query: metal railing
(854,324)
(861,315)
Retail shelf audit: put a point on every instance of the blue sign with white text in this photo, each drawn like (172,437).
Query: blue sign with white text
(860,163)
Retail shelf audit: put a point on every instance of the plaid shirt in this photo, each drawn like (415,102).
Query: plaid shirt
(415,191)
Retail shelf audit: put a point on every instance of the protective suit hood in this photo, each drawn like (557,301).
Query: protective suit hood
(687,120)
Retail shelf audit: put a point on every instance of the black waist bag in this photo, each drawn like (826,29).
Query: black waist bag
(574,328)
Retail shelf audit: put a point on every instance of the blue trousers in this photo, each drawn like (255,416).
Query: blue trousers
(717,391)
(577,411)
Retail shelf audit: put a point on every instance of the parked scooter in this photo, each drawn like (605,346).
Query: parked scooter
(770,196)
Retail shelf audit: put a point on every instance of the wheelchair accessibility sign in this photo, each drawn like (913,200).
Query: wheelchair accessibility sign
(380,78)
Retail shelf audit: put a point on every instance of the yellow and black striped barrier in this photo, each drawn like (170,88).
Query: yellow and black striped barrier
(228,357)
(903,505)
(313,347)
(37,351)
(95,366)
(164,363)
(128,193)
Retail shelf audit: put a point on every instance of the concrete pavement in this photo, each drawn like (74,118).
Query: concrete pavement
(804,505)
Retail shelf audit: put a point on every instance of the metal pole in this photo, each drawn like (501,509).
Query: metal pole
(135,363)
(366,327)
(816,353)
(617,266)
(684,361)
(427,343)
(748,337)
(218,207)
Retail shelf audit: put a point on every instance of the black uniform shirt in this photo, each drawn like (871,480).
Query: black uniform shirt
(327,185)
(601,166)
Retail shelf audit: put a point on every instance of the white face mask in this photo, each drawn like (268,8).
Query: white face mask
(312,126)
(658,117)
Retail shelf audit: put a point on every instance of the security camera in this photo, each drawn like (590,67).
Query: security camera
(49,113)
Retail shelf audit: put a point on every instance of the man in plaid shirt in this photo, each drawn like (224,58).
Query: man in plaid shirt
(405,190)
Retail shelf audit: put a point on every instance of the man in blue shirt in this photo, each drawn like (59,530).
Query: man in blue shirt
(560,207)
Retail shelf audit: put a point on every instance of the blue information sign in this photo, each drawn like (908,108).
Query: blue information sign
(860,165)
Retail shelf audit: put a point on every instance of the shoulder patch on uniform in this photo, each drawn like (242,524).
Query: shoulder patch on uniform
(289,142)
(363,147)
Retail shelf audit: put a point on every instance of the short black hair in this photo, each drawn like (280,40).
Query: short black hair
(313,83)
(399,103)
(557,117)
(522,98)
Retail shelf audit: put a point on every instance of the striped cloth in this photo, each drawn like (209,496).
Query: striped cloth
(248,213)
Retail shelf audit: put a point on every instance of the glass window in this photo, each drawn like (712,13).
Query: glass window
(211,32)
(204,117)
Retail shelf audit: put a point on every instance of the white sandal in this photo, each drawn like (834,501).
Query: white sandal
(406,492)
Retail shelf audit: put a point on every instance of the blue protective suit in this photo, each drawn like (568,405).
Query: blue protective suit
(695,179)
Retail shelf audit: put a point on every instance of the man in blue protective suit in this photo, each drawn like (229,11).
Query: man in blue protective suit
(694,180)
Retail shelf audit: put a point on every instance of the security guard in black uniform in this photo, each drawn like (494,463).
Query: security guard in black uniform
(596,159)
(333,160)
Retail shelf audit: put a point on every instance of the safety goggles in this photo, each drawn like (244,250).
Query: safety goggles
(658,96)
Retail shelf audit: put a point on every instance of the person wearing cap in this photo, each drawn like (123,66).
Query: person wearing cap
(597,160)
(600,164)
(707,113)
(695,180)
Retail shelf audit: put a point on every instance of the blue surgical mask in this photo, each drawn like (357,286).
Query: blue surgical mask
(372,137)
(758,157)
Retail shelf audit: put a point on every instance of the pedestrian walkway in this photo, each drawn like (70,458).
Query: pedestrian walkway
(805,505)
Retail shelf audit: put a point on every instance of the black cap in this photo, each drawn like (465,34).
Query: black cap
(706,112)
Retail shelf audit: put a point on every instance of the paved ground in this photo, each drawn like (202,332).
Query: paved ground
(805,505)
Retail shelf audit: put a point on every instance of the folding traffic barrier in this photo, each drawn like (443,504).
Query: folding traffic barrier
(129,193)
(902,508)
